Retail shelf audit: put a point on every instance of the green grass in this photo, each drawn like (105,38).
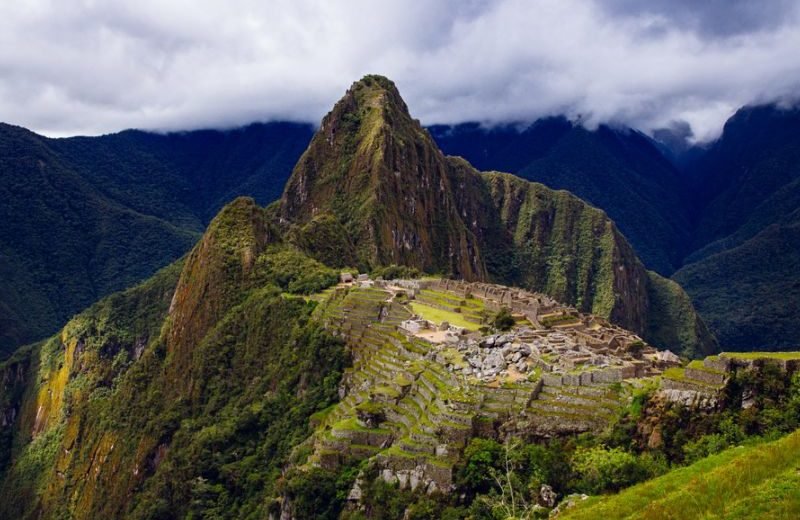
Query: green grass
(698,365)
(438,316)
(352,424)
(758,481)
(787,356)
(452,300)
(675,373)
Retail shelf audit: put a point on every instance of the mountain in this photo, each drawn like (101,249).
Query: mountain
(618,170)
(87,216)
(245,381)
(238,383)
(743,274)
(375,175)
(710,222)
(161,389)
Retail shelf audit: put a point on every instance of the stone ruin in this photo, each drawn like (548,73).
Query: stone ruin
(576,342)
(418,390)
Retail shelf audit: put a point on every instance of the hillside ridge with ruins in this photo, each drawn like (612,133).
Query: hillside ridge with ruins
(430,372)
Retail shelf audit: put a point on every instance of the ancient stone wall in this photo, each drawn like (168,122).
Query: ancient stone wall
(706,376)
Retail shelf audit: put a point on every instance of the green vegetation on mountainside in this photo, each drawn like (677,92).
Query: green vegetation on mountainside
(180,397)
(63,243)
(756,481)
(84,217)
(743,274)
(618,170)
(758,303)
(377,171)
(724,227)
(192,394)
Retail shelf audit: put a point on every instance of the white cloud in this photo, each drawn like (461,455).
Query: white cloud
(70,66)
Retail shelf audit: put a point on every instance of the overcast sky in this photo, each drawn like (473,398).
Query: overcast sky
(88,67)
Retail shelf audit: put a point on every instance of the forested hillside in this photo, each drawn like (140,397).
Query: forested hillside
(83,217)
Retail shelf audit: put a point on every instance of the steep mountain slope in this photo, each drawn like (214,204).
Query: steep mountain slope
(750,293)
(376,175)
(757,155)
(63,242)
(743,277)
(84,217)
(618,170)
(196,394)
(180,394)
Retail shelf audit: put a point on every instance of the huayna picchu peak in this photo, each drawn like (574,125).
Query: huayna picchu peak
(379,173)
(399,336)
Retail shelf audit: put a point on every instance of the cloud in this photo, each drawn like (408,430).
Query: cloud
(88,67)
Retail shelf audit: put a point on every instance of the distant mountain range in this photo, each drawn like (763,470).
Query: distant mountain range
(722,219)
(86,216)
(744,271)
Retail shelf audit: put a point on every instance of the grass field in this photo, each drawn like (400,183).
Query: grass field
(438,316)
(759,481)
(763,355)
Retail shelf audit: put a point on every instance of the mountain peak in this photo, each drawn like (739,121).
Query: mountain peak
(374,169)
(369,104)
(376,90)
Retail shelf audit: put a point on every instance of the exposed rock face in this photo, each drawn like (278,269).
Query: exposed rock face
(225,255)
(13,377)
(547,497)
(381,175)
(387,194)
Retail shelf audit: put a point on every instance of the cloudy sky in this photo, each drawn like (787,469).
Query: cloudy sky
(88,67)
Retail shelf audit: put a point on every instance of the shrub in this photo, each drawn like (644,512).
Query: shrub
(390,272)
(294,272)
(481,457)
(635,349)
(600,469)
(503,320)
(704,446)
(313,494)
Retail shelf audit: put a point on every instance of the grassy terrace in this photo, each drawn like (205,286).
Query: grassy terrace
(452,300)
(698,365)
(757,481)
(557,320)
(784,356)
(679,374)
(351,424)
(438,316)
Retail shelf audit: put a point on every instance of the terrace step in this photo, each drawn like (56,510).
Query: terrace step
(539,406)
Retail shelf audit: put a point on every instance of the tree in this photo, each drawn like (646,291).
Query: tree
(503,320)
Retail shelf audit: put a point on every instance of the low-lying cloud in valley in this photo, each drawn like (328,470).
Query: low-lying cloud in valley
(93,67)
